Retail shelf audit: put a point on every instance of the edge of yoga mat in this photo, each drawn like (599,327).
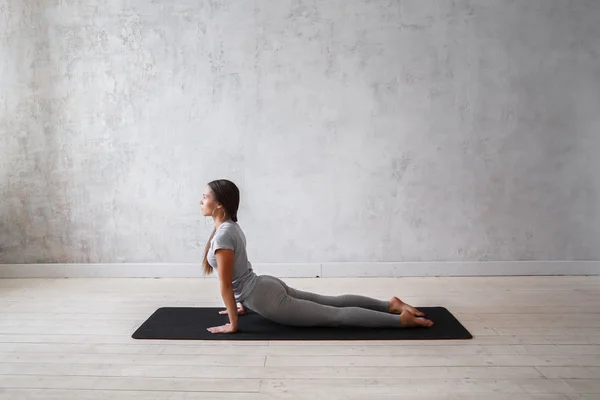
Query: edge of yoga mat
(190,323)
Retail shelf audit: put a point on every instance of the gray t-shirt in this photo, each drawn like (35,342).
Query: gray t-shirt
(230,236)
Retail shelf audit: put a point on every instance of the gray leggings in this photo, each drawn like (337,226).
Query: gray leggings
(278,302)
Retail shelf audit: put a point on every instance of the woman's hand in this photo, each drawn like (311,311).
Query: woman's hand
(240,310)
(227,328)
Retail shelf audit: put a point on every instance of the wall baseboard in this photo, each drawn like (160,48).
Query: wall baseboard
(307,270)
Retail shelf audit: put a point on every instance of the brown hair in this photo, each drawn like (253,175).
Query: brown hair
(228,195)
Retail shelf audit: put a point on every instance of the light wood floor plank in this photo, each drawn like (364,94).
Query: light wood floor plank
(402,395)
(498,360)
(267,372)
(131,383)
(386,386)
(570,372)
(95,394)
(136,359)
(282,350)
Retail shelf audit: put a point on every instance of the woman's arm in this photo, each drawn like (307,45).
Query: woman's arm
(225,259)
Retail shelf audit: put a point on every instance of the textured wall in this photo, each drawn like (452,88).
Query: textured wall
(356,130)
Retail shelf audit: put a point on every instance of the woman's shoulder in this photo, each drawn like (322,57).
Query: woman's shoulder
(229,225)
(228,228)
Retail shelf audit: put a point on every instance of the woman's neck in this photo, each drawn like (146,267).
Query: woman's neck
(218,223)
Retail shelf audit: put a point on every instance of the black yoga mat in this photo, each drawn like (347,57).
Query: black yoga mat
(188,323)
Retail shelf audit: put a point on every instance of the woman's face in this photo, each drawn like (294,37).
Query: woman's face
(208,203)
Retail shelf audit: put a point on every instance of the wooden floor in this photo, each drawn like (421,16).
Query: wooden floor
(534,338)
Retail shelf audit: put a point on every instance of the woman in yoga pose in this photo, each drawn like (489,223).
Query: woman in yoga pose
(241,288)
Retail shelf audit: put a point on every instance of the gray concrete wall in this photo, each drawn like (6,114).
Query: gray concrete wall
(356,130)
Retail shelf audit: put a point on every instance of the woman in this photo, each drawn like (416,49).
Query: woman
(271,297)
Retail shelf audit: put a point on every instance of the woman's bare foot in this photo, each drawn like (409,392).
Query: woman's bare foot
(397,306)
(408,320)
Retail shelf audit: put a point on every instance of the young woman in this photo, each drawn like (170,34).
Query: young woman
(241,288)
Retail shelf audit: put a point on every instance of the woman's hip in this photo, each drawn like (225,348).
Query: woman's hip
(268,292)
